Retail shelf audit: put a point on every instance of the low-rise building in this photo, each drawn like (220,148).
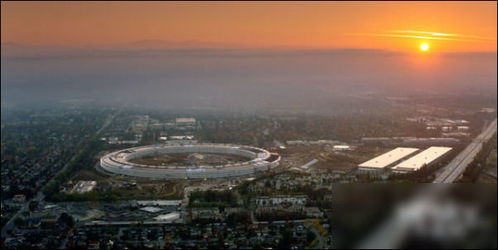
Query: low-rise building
(422,159)
(19,198)
(279,199)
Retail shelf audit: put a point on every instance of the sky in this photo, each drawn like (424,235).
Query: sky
(397,26)
(303,56)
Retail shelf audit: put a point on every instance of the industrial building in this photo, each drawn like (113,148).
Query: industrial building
(387,159)
(84,186)
(190,121)
(342,148)
(421,142)
(422,159)
(411,141)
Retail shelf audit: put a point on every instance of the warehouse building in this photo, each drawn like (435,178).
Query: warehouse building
(385,160)
(425,158)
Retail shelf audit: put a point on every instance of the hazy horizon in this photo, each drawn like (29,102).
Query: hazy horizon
(294,56)
(238,78)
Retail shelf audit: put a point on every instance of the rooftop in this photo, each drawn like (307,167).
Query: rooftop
(185,120)
(423,158)
(388,158)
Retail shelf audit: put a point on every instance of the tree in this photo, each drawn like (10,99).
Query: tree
(19,222)
(310,236)
(33,205)
(67,219)
(268,184)
(286,239)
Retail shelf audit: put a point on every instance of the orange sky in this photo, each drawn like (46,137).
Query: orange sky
(380,25)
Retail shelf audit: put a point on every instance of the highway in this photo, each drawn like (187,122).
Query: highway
(427,200)
(457,166)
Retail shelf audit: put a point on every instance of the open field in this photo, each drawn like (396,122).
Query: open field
(163,190)
(186,159)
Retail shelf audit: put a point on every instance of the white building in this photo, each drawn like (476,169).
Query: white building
(168,217)
(185,121)
(84,186)
(258,160)
(424,158)
(342,148)
(387,159)
(263,201)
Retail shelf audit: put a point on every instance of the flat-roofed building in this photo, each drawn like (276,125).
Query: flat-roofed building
(421,142)
(88,186)
(84,186)
(257,160)
(424,158)
(387,159)
(342,148)
(185,121)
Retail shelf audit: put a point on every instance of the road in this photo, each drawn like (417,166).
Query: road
(457,166)
(396,227)
(309,164)
(319,244)
(321,240)
(40,196)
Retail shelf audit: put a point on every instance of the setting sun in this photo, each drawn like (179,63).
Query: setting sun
(424,47)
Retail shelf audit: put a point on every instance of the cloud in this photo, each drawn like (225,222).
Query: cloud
(419,36)
(431,35)
(442,36)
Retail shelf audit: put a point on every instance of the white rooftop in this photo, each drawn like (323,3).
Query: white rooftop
(151,209)
(185,120)
(423,158)
(170,216)
(388,158)
(160,202)
(84,186)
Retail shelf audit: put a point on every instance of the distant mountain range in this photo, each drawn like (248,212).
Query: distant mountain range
(163,44)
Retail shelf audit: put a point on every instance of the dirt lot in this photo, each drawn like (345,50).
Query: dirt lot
(347,160)
(134,188)
(88,175)
(164,190)
(296,156)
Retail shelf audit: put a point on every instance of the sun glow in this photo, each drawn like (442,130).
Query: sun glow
(424,47)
